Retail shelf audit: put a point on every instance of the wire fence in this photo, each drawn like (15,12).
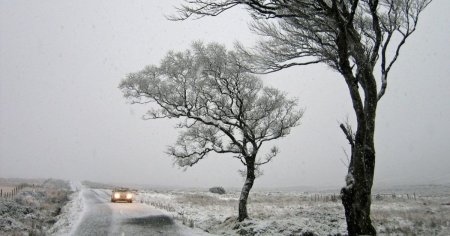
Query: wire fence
(409,196)
(11,193)
(379,196)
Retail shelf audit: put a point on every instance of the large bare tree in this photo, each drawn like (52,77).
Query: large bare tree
(361,40)
(223,108)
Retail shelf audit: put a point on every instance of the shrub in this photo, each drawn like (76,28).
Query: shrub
(218,190)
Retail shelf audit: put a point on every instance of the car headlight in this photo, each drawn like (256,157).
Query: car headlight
(116,195)
(129,195)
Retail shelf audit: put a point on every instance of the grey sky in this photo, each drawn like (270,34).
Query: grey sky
(62,116)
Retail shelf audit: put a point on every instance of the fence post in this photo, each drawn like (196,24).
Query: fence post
(1,192)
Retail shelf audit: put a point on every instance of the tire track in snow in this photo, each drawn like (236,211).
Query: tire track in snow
(97,217)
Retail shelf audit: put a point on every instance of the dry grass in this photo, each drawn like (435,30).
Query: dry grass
(204,200)
(281,211)
(33,209)
(409,217)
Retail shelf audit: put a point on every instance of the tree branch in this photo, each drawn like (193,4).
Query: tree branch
(348,134)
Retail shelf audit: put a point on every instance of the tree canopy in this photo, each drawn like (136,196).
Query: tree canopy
(357,38)
(223,107)
(226,108)
(344,34)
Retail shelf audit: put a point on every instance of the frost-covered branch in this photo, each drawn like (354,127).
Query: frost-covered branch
(353,37)
(225,108)
(400,20)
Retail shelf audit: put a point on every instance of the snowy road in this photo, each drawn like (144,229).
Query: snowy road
(101,217)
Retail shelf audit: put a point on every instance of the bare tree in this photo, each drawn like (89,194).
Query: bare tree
(352,37)
(223,107)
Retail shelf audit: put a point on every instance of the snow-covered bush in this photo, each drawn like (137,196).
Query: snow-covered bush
(32,211)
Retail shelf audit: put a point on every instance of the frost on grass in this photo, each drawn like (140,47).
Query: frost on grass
(297,213)
(273,213)
(34,209)
(70,214)
(424,216)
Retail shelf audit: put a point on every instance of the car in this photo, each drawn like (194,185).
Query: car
(121,195)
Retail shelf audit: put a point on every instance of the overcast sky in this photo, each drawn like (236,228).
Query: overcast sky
(62,115)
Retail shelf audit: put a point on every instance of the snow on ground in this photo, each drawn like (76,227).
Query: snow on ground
(272,213)
(33,209)
(296,213)
(50,207)
(71,214)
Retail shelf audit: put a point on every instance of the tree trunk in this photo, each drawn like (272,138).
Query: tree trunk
(356,195)
(246,190)
(356,198)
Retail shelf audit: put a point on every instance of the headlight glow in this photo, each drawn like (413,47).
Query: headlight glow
(129,196)
(116,195)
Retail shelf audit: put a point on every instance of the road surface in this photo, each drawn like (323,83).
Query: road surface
(101,217)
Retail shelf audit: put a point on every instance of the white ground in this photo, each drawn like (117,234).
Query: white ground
(90,212)
(272,213)
(295,213)
(35,207)
(71,213)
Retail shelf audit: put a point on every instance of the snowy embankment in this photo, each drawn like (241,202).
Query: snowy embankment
(35,208)
(70,216)
(294,213)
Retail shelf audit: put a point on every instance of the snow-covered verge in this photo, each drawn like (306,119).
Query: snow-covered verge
(295,213)
(70,216)
(35,209)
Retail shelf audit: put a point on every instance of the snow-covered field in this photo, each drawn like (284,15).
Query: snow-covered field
(297,213)
(55,207)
